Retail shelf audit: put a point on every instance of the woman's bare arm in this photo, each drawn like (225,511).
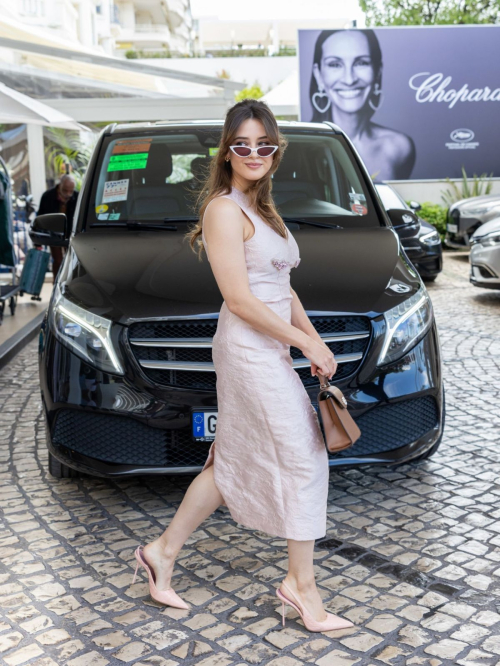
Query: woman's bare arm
(301,320)
(223,226)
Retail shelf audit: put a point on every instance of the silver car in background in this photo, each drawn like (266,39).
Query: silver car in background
(485,255)
(467,215)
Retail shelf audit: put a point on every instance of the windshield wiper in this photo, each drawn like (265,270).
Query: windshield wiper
(143,224)
(311,223)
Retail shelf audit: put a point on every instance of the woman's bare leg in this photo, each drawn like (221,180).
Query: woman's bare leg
(199,502)
(300,577)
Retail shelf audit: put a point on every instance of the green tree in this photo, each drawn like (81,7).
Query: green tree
(430,12)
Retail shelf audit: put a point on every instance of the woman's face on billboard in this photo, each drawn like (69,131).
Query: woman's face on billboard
(346,72)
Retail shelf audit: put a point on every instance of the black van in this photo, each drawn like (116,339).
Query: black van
(127,379)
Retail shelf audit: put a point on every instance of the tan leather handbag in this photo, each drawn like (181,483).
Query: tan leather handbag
(340,428)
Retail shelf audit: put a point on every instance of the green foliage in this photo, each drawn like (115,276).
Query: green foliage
(475,187)
(251,92)
(132,54)
(429,12)
(435,215)
(65,148)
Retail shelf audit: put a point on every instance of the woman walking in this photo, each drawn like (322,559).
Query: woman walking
(268,463)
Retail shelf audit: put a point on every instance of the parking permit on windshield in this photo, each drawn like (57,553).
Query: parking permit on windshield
(358,201)
(115,190)
(125,146)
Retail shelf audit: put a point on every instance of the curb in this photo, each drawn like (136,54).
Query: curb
(14,344)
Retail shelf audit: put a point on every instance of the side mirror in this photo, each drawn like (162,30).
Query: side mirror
(50,229)
(414,205)
(404,221)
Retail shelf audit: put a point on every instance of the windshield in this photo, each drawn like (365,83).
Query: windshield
(152,178)
(390,198)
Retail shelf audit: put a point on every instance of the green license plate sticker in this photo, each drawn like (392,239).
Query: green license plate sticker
(128,162)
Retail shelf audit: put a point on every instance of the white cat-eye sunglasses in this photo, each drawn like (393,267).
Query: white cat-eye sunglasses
(246,151)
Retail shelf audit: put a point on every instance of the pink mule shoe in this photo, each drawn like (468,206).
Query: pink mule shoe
(167,597)
(331,622)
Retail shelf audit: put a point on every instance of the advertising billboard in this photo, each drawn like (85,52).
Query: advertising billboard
(417,102)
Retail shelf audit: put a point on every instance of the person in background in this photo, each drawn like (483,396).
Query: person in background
(59,199)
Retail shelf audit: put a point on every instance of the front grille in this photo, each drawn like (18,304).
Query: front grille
(391,426)
(126,441)
(178,353)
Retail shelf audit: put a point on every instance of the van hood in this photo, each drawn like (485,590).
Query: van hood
(127,275)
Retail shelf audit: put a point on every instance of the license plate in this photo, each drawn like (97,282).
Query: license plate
(204,426)
(453,228)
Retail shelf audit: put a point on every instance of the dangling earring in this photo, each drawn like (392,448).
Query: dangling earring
(320,94)
(227,159)
(377,91)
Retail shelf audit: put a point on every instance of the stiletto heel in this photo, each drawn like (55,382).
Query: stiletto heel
(283,612)
(135,573)
(330,623)
(167,597)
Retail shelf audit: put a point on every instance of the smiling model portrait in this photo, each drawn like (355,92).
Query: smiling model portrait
(268,463)
(346,88)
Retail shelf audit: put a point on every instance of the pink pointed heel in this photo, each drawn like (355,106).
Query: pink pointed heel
(331,622)
(167,597)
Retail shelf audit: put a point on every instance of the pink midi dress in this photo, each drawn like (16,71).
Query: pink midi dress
(269,455)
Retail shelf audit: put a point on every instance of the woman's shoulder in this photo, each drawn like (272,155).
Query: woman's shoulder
(221,212)
(222,202)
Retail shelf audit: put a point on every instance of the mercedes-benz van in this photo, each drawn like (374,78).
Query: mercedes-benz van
(127,379)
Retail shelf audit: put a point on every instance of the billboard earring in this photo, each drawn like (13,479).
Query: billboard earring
(319,95)
(377,91)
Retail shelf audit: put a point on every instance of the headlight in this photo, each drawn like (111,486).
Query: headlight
(407,324)
(88,335)
(480,210)
(431,238)
(490,239)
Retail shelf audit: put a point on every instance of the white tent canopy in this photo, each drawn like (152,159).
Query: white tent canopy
(16,108)
(284,99)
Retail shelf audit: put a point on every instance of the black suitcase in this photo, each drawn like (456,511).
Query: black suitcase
(33,273)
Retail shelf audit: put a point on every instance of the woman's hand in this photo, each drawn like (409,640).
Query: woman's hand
(321,357)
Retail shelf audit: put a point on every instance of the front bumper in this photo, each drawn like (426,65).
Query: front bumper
(466,226)
(107,425)
(485,266)
(428,260)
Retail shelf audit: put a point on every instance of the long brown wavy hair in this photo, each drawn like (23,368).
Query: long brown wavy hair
(219,179)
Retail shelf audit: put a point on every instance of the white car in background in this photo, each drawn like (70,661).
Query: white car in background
(485,255)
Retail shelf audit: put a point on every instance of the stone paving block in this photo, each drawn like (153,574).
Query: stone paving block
(23,655)
(338,658)
(478,658)
(446,649)
(361,642)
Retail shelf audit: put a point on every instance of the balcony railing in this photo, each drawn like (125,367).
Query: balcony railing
(152,27)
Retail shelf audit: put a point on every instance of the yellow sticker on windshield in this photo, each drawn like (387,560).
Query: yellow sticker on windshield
(213,151)
(101,209)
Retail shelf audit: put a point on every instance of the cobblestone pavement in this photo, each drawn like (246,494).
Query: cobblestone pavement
(412,556)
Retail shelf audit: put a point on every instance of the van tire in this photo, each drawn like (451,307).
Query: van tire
(59,470)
